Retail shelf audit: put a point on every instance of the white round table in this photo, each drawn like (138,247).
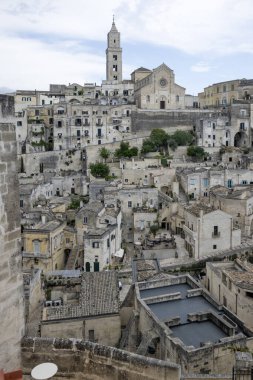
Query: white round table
(44,371)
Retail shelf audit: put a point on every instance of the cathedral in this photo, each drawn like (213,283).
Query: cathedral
(152,89)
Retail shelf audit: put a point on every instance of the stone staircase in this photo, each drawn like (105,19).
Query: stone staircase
(129,332)
(73,258)
(147,340)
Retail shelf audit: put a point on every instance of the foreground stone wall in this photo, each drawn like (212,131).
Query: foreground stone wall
(79,360)
(11,283)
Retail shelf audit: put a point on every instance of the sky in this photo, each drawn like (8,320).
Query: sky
(62,41)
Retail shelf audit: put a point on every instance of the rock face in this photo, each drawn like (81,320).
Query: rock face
(11,282)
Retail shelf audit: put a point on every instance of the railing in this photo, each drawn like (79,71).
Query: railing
(99,124)
(189,231)
(33,255)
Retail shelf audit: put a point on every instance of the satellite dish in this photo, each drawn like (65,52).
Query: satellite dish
(44,371)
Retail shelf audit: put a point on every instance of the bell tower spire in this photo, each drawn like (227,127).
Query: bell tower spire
(113,55)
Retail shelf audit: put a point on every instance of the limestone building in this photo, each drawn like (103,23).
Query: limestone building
(157,90)
(208,231)
(89,309)
(231,284)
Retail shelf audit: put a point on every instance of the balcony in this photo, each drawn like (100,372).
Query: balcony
(32,255)
(86,124)
(99,124)
(215,235)
(99,136)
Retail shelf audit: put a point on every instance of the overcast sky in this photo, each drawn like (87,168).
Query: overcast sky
(63,41)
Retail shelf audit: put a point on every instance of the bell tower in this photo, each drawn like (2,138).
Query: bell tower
(113,55)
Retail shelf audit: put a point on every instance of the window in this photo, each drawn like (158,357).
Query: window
(224,88)
(36,247)
(115,68)
(99,142)
(78,133)
(19,123)
(95,244)
(232,87)
(129,204)
(192,181)
(214,246)
(242,126)
(230,159)
(37,112)
(21,203)
(85,220)
(115,57)
(205,182)
(215,230)
(213,137)
(108,243)
(230,183)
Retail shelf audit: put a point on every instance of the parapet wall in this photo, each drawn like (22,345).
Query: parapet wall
(77,360)
(11,281)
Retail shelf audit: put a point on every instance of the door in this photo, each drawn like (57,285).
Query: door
(162,105)
(96,266)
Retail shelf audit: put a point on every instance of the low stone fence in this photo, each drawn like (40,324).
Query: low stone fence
(77,360)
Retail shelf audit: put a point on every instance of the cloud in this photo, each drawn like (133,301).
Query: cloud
(31,61)
(45,41)
(201,67)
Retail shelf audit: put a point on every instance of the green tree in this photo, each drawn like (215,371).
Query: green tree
(104,153)
(159,138)
(154,228)
(182,138)
(125,151)
(148,146)
(99,169)
(172,143)
(196,151)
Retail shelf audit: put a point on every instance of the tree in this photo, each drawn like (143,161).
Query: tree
(154,228)
(182,138)
(148,146)
(99,170)
(104,153)
(196,151)
(159,138)
(172,144)
(125,151)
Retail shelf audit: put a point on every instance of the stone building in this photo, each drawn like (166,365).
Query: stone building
(225,93)
(237,202)
(230,283)
(157,90)
(208,231)
(197,182)
(11,281)
(214,131)
(43,246)
(92,315)
(179,321)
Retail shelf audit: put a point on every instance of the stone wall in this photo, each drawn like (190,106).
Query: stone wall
(11,282)
(170,120)
(79,360)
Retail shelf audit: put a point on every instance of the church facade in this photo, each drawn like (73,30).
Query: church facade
(157,89)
